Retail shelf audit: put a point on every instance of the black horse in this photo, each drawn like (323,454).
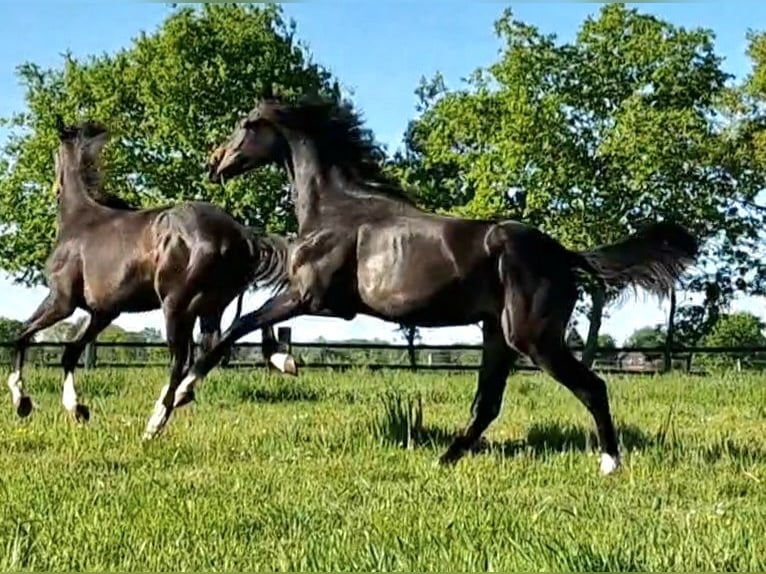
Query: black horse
(191,259)
(364,247)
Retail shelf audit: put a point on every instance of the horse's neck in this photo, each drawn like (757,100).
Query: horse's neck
(321,193)
(311,195)
(76,206)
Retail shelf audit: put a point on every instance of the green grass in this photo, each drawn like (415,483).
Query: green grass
(273,473)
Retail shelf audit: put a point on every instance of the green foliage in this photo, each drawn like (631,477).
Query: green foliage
(648,337)
(735,330)
(9,329)
(606,341)
(168,98)
(327,496)
(633,120)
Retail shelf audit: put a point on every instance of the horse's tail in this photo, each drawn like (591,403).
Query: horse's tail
(652,258)
(271,253)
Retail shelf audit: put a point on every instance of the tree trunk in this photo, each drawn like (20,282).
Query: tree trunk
(410,334)
(668,363)
(598,300)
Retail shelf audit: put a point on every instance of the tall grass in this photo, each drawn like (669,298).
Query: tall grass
(279,474)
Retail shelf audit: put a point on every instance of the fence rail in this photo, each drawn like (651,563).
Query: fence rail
(376,356)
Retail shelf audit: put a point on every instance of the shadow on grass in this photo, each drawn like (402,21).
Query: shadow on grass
(549,438)
(289,393)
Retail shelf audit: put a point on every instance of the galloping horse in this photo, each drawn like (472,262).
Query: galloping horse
(364,247)
(190,259)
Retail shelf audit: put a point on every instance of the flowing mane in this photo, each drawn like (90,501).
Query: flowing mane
(93,178)
(92,172)
(341,140)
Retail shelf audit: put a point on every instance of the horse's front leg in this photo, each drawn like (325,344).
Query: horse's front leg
(53,309)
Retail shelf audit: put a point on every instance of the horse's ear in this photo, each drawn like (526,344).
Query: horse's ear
(268,91)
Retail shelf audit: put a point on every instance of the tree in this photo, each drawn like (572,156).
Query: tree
(9,330)
(648,337)
(412,336)
(168,98)
(734,330)
(606,341)
(608,346)
(590,139)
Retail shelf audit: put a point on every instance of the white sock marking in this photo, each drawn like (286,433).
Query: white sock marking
(69,395)
(159,416)
(17,387)
(279,360)
(186,386)
(609,463)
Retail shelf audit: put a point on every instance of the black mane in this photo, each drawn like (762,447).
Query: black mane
(342,141)
(91,170)
(112,201)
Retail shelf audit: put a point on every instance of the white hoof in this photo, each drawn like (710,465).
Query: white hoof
(284,363)
(159,417)
(609,463)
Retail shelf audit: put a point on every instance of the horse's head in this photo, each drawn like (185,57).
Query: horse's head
(79,152)
(256,141)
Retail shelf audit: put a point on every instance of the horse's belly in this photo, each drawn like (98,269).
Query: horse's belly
(128,288)
(396,286)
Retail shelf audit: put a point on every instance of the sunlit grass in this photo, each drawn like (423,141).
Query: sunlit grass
(274,473)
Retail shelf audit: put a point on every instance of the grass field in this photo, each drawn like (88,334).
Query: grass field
(273,473)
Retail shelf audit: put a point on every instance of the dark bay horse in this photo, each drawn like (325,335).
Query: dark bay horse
(364,247)
(190,259)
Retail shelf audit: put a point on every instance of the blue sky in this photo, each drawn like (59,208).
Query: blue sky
(379,50)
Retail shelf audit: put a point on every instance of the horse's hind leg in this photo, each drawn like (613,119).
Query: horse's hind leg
(179,324)
(210,334)
(497,359)
(557,360)
(542,324)
(53,309)
(72,352)
(271,353)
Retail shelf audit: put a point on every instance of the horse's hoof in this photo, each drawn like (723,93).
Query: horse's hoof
(291,367)
(24,408)
(449,458)
(609,463)
(285,363)
(149,435)
(81,414)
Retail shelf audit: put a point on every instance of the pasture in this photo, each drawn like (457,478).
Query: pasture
(273,473)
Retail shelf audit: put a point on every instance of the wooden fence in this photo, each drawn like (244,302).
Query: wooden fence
(344,355)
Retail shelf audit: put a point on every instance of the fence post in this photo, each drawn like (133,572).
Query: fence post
(90,355)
